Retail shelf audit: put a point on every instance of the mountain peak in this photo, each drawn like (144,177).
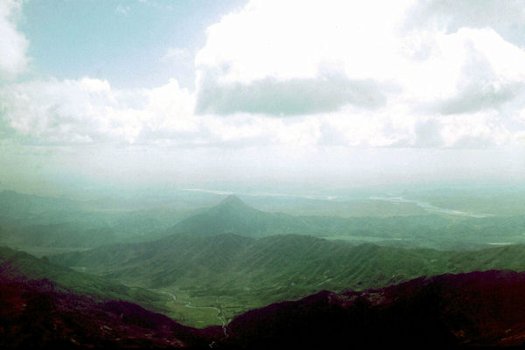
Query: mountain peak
(230,216)
(233,205)
(232,201)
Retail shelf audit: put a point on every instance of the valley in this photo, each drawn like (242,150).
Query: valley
(445,311)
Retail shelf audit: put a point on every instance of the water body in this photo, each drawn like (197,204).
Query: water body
(429,208)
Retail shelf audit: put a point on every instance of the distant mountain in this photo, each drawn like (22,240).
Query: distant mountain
(35,314)
(448,311)
(26,206)
(29,221)
(233,216)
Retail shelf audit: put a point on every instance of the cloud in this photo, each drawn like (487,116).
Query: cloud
(492,74)
(91,111)
(507,17)
(290,97)
(352,74)
(428,134)
(477,97)
(13,44)
(270,58)
(265,57)
(410,74)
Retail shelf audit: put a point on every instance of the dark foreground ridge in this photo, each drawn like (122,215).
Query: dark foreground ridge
(473,309)
(37,314)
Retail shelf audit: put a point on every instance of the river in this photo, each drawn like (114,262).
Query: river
(430,208)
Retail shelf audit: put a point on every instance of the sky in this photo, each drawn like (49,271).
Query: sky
(260,93)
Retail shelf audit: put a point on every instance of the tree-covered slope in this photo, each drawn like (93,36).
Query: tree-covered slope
(16,264)
(278,267)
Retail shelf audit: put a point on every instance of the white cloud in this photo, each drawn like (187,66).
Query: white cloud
(89,110)
(13,44)
(507,17)
(352,74)
(298,40)
(291,39)
(291,97)
(456,82)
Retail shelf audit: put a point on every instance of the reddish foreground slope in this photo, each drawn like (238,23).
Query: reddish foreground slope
(473,309)
(35,314)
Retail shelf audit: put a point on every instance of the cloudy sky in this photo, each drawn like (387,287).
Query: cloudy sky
(202,93)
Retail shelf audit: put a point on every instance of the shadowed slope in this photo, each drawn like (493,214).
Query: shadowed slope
(15,265)
(474,309)
(480,308)
(35,314)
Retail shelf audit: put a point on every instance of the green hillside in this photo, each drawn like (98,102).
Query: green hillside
(231,257)
(237,273)
(16,263)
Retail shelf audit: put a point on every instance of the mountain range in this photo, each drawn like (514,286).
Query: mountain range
(251,279)
(233,216)
(49,225)
(244,272)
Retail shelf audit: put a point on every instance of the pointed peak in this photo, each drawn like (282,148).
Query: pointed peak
(232,203)
(232,200)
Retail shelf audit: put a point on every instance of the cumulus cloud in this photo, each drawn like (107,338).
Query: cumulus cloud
(277,51)
(352,74)
(290,97)
(13,44)
(491,74)
(90,110)
(474,97)
(270,44)
(507,17)
(409,74)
